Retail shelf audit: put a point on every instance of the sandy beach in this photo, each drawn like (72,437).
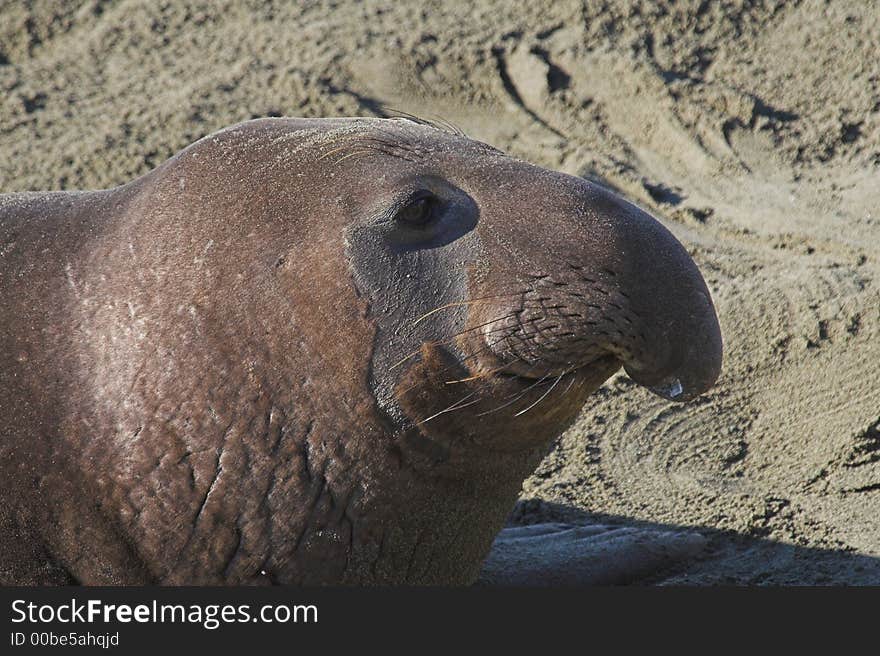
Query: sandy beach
(751,129)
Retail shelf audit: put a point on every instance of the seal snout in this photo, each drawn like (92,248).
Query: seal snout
(665,329)
(622,288)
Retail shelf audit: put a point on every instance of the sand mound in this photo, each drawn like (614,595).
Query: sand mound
(751,128)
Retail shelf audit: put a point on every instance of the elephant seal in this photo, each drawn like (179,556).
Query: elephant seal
(315,351)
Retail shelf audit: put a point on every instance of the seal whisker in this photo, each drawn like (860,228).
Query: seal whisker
(366,147)
(411,355)
(392,146)
(443,307)
(473,301)
(568,389)
(357,152)
(517,396)
(434,121)
(544,395)
(448,367)
(452,340)
(389,148)
(485,374)
(331,152)
(369,143)
(455,406)
(470,356)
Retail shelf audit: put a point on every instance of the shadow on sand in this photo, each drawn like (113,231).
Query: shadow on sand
(724,557)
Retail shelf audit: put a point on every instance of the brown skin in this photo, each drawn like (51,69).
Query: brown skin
(257,364)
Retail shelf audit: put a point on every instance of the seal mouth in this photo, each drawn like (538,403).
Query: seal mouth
(602,366)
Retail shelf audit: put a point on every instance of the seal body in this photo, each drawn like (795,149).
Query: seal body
(315,351)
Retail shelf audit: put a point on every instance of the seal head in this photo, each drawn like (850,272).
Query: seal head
(524,282)
(315,351)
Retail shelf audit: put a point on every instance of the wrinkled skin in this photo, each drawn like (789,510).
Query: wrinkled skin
(245,367)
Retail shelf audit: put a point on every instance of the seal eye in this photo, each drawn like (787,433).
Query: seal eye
(418,212)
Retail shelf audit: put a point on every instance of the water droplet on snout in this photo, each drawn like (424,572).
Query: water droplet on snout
(670,390)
